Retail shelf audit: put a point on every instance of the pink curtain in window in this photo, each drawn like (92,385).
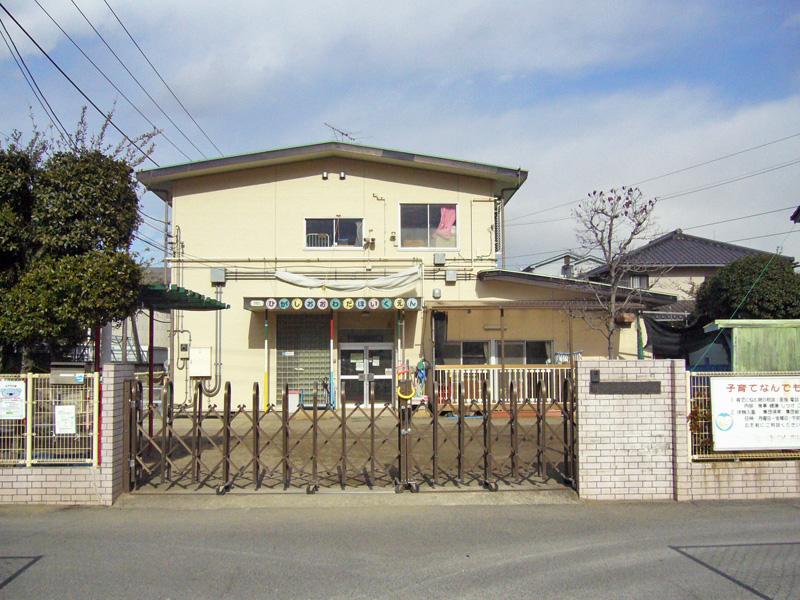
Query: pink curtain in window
(447,219)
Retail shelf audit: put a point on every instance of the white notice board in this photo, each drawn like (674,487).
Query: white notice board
(12,399)
(755,413)
(65,419)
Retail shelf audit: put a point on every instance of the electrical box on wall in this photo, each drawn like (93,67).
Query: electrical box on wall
(200,363)
(217,275)
(183,351)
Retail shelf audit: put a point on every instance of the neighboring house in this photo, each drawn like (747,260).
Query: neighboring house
(344,263)
(677,263)
(568,264)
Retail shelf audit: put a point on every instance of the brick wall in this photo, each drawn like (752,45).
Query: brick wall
(78,485)
(636,447)
(625,442)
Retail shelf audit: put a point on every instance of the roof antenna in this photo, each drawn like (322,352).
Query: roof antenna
(339,134)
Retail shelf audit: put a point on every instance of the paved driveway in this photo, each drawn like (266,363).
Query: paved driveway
(352,546)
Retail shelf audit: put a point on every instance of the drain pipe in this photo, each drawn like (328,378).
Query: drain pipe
(214,390)
(502,200)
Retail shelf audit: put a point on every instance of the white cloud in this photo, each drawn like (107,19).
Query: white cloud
(240,50)
(579,144)
(431,79)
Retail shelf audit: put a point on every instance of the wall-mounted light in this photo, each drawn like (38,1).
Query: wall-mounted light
(437,293)
(341,175)
(325,175)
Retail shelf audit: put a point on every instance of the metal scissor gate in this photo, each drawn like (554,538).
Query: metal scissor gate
(456,439)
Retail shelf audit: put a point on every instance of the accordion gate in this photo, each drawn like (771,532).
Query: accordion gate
(455,440)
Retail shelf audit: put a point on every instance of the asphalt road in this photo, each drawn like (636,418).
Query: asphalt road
(162,547)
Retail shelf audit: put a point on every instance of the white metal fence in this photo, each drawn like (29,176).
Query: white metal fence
(44,421)
(527,380)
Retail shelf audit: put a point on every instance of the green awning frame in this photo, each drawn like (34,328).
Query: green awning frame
(165,298)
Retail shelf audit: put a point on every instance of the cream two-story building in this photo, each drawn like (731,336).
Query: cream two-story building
(346,265)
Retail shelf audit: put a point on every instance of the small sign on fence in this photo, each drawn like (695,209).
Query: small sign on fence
(65,419)
(755,413)
(12,400)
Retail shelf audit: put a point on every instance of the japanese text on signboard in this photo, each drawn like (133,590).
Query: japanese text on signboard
(755,413)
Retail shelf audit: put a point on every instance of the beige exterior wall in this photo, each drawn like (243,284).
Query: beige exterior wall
(253,221)
(682,282)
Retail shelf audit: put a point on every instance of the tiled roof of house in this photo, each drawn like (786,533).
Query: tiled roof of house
(678,249)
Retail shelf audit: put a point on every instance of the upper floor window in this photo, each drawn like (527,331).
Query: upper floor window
(428,226)
(639,282)
(330,233)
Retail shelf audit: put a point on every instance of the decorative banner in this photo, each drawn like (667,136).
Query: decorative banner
(755,413)
(12,400)
(311,304)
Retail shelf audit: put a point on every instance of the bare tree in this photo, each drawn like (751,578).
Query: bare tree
(613,222)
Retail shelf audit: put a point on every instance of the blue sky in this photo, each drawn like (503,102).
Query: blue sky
(583,95)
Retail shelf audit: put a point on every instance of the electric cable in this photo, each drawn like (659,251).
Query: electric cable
(127,70)
(186,110)
(112,84)
(77,87)
(26,73)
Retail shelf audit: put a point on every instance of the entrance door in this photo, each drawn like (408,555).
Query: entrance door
(363,366)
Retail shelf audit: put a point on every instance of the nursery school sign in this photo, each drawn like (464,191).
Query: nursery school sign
(360,304)
(755,413)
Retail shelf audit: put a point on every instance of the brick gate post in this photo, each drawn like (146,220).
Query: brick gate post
(112,451)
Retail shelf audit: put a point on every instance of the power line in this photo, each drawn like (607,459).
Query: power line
(111,83)
(719,158)
(766,212)
(145,215)
(153,227)
(536,212)
(124,66)
(143,238)
(708,162)
(77,87)
(731,180)
(758,237)
(186,110)
(670,196)
(37,92)
(570,217)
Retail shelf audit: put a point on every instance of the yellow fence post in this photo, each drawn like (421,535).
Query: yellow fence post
(96,417)
(29,420)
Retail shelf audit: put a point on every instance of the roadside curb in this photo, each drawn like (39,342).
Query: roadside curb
(341,499)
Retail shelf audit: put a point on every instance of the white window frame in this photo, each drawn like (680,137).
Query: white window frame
(400,246)
(334,245)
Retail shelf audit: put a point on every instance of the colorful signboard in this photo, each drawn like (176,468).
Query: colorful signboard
(755,413)
(12,400)
(336,304)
